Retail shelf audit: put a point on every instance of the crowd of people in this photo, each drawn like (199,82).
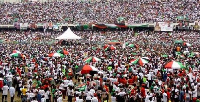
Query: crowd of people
(99,11)
(37,77)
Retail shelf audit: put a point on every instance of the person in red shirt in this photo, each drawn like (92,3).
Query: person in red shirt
(143,95)
(168,94)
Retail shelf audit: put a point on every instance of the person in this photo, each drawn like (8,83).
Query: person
(165,97)
(79,99)
(24,96)
(60,99)
(95,99)
(12,93)
(70,93)
(5,92)
(39,96)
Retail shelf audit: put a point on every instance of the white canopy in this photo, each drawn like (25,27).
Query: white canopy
(68,35)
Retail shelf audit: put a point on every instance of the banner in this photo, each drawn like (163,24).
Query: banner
(163,26)
(196,26)
(17,25)
(23,26)
(57,27)
(183,25)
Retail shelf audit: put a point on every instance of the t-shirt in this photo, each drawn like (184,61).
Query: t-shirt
(24,90)
(79,100)
(164,97)
(5,90)
(113,99)
(94,99)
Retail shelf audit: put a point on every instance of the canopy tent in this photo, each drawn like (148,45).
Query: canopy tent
(68,35)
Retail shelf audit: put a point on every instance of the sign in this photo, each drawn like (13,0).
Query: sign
(196,26)
(23,26)
(183,25)
(163,26)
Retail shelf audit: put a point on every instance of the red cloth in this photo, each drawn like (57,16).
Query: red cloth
(143,92)
(1,84)
(168,94)
(130,81)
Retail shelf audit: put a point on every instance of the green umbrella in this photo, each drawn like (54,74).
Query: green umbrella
(164,55)
(17,55)
(180,17)
(120,19)
(178,41)
(131,45)
(191,54)
(178,53)
(126,43)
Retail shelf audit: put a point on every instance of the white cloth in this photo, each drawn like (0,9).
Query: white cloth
(59,99)
(113,99)
(5,90)
(94,99)
(164,97)
(12,91)
(79,100)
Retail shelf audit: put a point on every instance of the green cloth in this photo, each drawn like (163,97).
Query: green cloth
(144,80)
(109,68)
(76,66)
(82,88)
(53,92)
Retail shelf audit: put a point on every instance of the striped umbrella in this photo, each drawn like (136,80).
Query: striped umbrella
(56,55)
(91,59)
(86,69)
(16,51)
(110,48)
(174,65)
(64,52)
(17,55)
(139,61)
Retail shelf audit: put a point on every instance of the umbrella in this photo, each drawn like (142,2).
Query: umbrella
(87,69)
(131,45)
(139,61)
(16,51)
(64,52)
(174,65)
(114,42)
(180,17)
(56,55)
(164,55)
(188,44)
(110,48)
(178,41)
(92,59)
(19,55)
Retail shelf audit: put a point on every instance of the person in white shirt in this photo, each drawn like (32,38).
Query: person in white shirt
(79,99)
(113,98)
(165,97)
(60,99)
(43,99)
(94,99)
(88,97)
(5,92)
(12,93)
(47,95)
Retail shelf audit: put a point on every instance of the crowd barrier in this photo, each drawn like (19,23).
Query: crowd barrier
(159,26)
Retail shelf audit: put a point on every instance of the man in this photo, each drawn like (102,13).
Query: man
(24,90)
(12,93)
(95,99)
(5,92)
